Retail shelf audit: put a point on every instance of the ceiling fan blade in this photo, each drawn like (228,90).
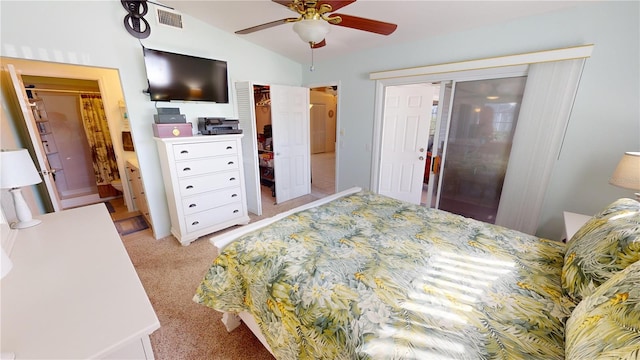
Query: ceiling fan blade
(263,26)
(374,26)
(320,44)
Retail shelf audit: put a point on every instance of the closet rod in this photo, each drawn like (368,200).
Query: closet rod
(63,91)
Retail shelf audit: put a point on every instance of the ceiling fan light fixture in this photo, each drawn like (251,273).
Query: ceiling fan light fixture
(311,30)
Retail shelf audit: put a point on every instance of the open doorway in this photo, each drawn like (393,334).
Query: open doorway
(49,103)
(323,117)
(76,138)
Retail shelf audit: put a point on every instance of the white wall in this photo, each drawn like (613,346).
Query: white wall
(92,33)
(605,121)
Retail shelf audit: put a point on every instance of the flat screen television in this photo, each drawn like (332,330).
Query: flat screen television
(183,77)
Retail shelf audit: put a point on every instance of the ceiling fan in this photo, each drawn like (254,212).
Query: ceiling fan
(314,21)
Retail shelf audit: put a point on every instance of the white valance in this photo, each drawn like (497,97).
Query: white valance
(576,52)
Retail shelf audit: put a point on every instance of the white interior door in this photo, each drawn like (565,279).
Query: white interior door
(405,136)
(247,122)
(30,123)
(291,144)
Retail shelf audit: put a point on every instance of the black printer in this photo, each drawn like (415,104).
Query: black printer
(218,126)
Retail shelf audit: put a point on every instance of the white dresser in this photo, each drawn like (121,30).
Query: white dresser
(204,184)
(73,292)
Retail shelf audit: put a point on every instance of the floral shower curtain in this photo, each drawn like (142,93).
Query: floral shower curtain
(103,157)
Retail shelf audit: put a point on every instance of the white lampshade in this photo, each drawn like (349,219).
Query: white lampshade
(627,173)
(311,30)
(17,169)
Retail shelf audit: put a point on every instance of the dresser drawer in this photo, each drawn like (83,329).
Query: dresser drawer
(211,199)
(206,165)
(199,184)
(213,216)
(198,150)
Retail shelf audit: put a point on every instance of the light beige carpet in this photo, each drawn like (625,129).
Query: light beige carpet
(170,274)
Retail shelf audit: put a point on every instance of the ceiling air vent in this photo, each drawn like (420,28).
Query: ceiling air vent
(169,18)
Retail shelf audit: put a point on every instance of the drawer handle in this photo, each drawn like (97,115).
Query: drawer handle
(192,205)
(232,179)
(189,187)
(195,223)
(234,195)
(229,147)
(186,169)
(184,152)
(230,163)
(236,211)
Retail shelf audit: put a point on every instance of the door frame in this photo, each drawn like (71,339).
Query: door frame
(83,72)
(463,70)
(337,147)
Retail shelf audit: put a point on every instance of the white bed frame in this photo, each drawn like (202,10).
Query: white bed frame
(232,321)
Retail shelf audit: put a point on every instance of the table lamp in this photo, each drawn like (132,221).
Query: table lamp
(17,170)
(627,173)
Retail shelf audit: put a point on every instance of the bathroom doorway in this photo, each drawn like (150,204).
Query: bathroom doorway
(45,88)
(76,138)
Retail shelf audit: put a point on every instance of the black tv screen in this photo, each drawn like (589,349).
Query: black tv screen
(182,77)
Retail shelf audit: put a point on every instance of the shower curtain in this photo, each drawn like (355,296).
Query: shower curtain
(103,157)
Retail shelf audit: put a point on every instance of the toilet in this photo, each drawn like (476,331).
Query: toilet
(117,184)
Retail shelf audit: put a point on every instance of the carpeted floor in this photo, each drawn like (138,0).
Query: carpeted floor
(170,274)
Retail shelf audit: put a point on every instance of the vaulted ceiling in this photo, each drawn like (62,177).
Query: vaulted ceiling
(415,20)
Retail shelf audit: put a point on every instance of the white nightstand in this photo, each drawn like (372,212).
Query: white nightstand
(572,223)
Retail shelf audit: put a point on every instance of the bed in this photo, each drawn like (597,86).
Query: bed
(363,276)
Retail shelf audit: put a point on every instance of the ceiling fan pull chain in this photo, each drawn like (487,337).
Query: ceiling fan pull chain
(312,67)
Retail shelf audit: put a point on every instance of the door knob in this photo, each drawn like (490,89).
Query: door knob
(421,158)
(421,149)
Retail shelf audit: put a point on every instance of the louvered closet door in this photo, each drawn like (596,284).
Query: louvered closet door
(247,119)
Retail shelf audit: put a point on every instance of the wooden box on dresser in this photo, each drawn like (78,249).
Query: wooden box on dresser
(204,184)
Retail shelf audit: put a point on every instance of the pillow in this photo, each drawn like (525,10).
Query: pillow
(604,245)
(606,324)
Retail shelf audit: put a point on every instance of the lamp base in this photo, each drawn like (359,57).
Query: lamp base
(23,213)
(25,224)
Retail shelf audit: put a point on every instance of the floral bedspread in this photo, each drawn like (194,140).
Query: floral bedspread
(369,277)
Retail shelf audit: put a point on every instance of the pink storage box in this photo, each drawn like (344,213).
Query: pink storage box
(172,130)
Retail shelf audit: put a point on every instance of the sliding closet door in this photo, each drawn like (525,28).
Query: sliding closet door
(484,116)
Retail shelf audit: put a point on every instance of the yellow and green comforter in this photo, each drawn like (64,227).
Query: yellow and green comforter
(369,277)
